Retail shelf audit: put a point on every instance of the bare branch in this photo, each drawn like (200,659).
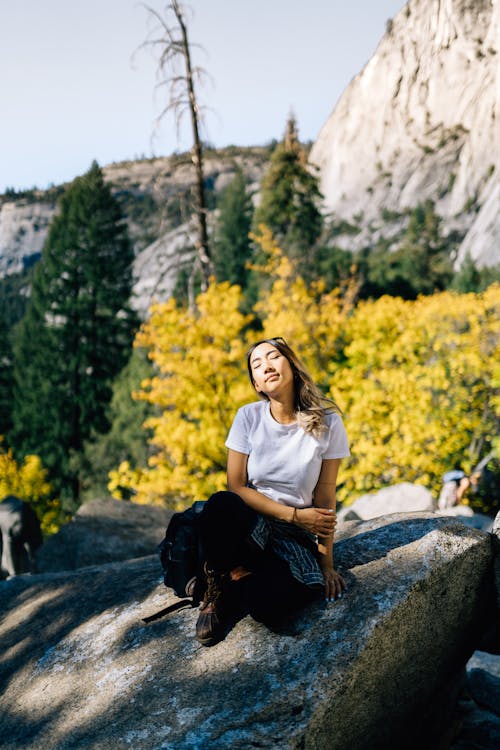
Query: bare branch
(176,72)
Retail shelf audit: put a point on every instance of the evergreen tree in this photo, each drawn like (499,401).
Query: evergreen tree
(6,382)
(126,439)
(334,266)
(470,278)
(421,264)
(77,331)
(14,295)
(232,246)
(290,197)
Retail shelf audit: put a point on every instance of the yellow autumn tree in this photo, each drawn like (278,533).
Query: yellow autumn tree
(418,387)
(199,356)
(415,380)
(202,379)
(311,321)
(28,481)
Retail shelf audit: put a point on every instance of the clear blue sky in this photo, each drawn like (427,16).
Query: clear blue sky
(70,93)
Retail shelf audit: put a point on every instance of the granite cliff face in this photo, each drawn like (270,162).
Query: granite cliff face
(23,228)
(422,120)
(156,201)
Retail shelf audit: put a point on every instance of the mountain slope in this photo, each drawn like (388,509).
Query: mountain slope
(155,195)
(422,120)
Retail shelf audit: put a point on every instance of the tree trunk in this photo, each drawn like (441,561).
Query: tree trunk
(202,248)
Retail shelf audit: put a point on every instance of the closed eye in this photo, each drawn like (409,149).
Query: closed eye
(271,354)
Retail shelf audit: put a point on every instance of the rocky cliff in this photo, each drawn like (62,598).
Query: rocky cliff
(377,669)
(155,195)
(23,227)
(422,120)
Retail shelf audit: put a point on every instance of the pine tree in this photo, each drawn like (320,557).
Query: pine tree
(127,439)
(290,197)
(77,332)
(421,264)
(232,246)
(6,382)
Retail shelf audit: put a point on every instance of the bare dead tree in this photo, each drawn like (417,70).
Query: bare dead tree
(178,75)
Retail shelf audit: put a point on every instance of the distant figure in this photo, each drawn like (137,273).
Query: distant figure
(456,484)
(21,537)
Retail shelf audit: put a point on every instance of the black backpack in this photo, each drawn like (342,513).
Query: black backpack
(182,559)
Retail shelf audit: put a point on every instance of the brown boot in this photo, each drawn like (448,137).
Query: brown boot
(212,623)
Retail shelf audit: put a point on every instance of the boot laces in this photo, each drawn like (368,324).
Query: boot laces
(214,587)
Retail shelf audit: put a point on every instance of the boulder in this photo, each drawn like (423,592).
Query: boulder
(485,661)
(79,669)
(20,536)
(484,688)
(469,517)
(398,498)
(104,531)
(480,731)
(476,721)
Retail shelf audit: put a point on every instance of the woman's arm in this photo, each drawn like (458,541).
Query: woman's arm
(318,520)
(325,497)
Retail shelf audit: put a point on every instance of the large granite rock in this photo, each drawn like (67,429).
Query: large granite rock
(104,531)
(420,121)
(485,689)
(78,668)
(397,498)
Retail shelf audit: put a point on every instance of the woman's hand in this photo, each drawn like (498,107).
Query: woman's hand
(320,521)
(334,583)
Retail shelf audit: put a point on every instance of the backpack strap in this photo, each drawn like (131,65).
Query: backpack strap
(181,604)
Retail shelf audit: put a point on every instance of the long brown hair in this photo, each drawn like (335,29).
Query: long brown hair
(310,404)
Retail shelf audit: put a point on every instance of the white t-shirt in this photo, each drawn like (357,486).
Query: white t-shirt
(284,462)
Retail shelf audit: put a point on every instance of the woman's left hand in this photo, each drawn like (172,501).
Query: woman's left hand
(334,583)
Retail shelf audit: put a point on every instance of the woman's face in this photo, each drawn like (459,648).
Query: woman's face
(271,371)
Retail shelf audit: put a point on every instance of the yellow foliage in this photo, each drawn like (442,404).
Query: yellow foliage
(28,481)
(199,385)
(418,387)
(417,381)
(309,320)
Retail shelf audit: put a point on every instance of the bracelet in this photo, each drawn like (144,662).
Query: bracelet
(294,516)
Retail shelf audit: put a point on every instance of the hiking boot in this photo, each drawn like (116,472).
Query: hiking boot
(213,621)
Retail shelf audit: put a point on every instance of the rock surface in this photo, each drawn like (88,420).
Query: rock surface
(404,497)
(153,194)
(477,714)
(469,517)
(78,669)
(485,689)
(104,531)
(156,267)
(421,121)
(23,229)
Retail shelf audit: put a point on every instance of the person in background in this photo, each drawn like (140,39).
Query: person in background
(456,484)
(268,539)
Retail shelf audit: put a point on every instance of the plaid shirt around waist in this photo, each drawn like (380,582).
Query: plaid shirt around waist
(297,547)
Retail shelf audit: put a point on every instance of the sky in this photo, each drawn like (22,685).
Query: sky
(72,89)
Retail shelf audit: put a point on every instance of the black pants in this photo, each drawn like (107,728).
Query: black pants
(271,591)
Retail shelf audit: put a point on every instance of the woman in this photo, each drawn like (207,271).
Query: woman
(268,540)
